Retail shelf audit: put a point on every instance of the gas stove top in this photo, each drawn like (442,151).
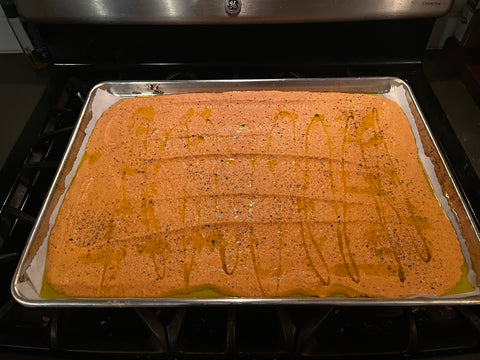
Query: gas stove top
(83,51)
(242,331)
(278,332)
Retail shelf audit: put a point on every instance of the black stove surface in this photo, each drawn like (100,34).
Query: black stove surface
(220,332)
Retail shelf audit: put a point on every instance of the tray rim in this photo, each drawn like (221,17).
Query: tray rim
(277,84)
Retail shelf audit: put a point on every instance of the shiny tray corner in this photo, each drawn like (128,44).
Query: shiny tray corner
(372,85)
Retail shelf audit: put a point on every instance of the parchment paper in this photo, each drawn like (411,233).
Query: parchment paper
(400,97)
(33,285)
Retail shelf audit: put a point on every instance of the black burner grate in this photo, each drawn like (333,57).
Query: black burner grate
(29,190)
(280,332)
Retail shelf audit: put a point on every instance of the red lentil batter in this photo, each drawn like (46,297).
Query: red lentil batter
(254,194)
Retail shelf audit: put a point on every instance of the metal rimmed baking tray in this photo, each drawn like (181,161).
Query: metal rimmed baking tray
(29,273)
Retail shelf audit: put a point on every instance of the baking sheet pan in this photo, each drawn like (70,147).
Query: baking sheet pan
(28,277)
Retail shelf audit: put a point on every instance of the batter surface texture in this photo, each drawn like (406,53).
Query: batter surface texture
(252,194)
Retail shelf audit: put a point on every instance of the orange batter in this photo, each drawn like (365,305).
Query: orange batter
(255,194)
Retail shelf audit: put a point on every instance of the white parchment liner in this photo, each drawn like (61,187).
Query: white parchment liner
(103,100)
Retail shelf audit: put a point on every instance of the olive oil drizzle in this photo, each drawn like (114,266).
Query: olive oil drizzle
(190,255)
(303,205)
(253,241)
(222,245)
(292,118)
(254,163)
(419,223)
(215,239)
(343,240)
(371,122)
(157,251)
(234,224)
(282,244)
(251,155)
(320,267)
(339,205)
(373,181)
(226,236)
(254,196)
(316,120)
(391,248)
(420,242)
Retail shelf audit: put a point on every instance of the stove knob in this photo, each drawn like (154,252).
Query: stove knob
(233,7)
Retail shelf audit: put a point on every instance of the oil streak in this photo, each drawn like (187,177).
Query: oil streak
(382,203)
(253,242)
(419,241)
(320,267)
(210,236)
(339,205)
